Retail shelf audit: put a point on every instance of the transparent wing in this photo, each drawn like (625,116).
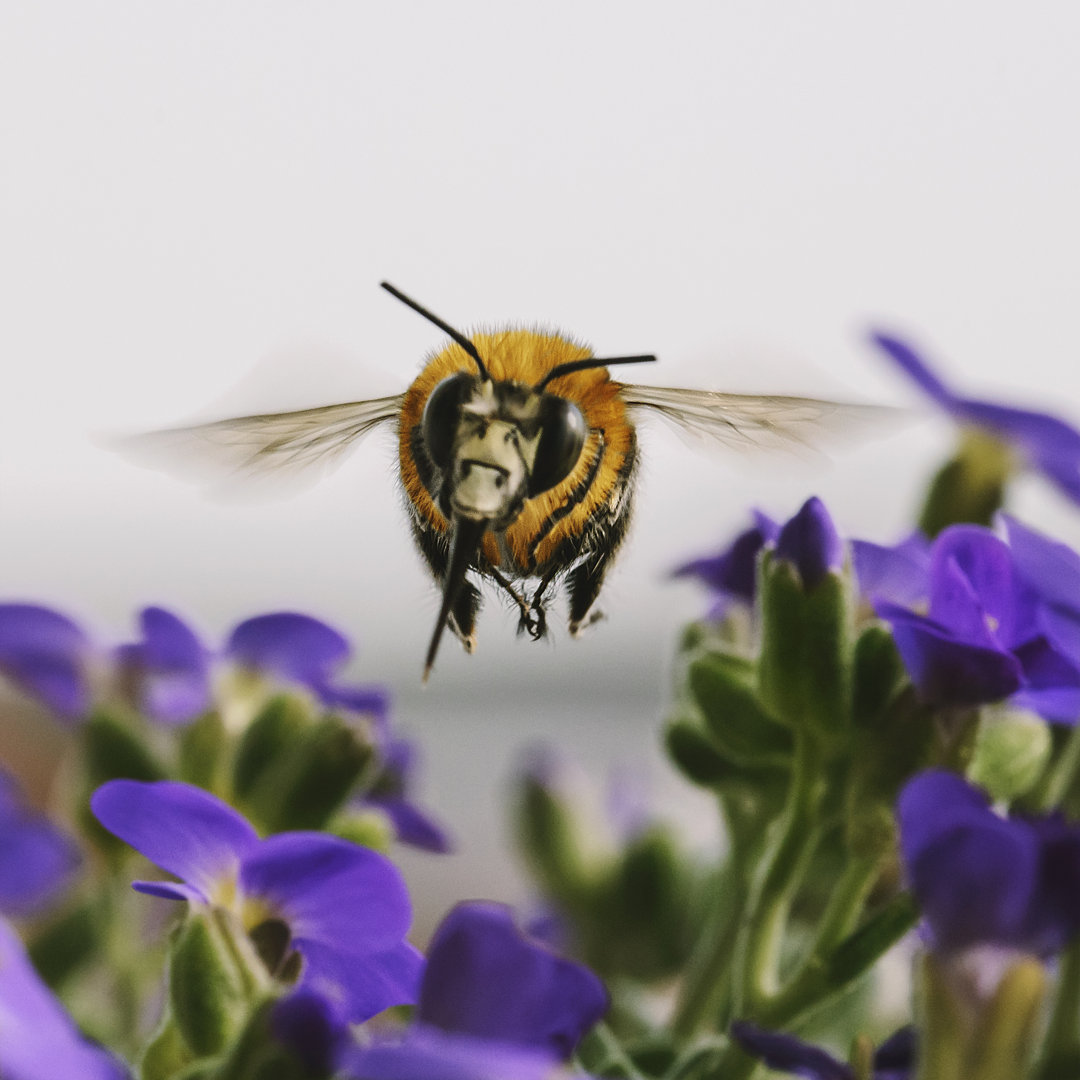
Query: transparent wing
(768,421)
(290,446)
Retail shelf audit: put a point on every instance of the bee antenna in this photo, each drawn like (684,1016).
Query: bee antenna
(460,338)
(590,362)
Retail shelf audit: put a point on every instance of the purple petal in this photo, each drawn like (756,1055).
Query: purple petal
(329,891)
(972,585)
(427,1054)
(313,1027)
(183,829)
(372,701)
(170,668)
(895,1057)
(973,873)
(289,645)
(1055,918)
(1051,568)
(1052,682)
(37,863)
(948,671)
(734,572)
(915,367)
(811,542)
(788,1054)
(485,979)
(364,983)
(44,653)
(170,890)
(38,1040)
(1064,472)
(1061,627)
(411,824)
(1049,443)
(899,574)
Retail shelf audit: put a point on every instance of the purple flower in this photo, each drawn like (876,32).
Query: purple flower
(38,1040)
(732,574)
(345,907)
(1044,441)
(982,879)
(36,861)
(981,639)
(493,1006)
(168,669)
(899,574)
(171,669)
(893,1060)
(810,542)
(389,794)
(46,655)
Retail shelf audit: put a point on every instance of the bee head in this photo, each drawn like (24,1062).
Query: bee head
(497,444)
(493,445)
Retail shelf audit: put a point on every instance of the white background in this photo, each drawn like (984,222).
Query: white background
(190,191)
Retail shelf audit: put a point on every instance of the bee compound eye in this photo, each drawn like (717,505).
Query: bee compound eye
(562,437)
(442,411)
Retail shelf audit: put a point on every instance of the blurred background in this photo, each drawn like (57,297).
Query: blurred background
(198,200)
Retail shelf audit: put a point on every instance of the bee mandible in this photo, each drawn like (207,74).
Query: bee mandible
(517,454)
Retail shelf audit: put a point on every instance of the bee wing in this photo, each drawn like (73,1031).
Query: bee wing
(300,445)
(748,421)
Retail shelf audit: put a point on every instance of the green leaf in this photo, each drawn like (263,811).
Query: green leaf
(805,666)
(203,747)
(740,726)
(268,740)
(695,754)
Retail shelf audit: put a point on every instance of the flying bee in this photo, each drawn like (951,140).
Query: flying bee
(517,454)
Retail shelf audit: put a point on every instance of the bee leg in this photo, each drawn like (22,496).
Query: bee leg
(537,604)
(531,620)
(583,585)
(462,619)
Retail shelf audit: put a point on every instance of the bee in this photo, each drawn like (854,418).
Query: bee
(518,454)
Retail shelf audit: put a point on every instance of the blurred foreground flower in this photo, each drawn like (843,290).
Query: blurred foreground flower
(322,912)
(982,879)
(37,862)
(493,1006)
(390,794)
(38,1040)
(999,439)
(168,674)
(893,1060)
(46,655)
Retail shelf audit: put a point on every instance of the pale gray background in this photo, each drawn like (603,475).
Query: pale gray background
(192,190)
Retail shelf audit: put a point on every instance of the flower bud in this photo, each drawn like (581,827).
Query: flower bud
(215,979)
(1012,747)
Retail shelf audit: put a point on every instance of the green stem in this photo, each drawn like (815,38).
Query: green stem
(1065,772)
(1062,1041)
(758,955)
(706,985)
(613,1053)
(846,903)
